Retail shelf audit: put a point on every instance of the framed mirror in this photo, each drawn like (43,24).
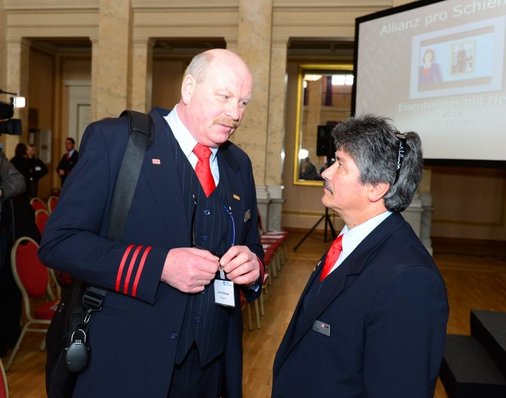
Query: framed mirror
(323,99)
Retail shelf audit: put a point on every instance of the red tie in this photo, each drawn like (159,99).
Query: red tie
(203,170)
(332,256)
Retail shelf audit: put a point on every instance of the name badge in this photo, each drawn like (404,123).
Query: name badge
(224,291)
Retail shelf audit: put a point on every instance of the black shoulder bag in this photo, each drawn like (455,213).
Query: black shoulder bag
(66,338)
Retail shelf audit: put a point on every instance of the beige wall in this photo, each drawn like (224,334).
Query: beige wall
(167,81)
(469,203)
(457,213)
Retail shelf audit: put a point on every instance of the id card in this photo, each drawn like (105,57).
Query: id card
(224,291)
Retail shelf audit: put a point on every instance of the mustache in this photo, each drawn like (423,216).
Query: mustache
(327,186)
(226,121)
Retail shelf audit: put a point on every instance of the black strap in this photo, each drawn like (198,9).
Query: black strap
(140,139)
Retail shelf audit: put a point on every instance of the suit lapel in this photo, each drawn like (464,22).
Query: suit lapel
(232,187)
(161,174)
(330,290)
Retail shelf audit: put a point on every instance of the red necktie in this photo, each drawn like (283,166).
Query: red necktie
(203,170)
(332,256)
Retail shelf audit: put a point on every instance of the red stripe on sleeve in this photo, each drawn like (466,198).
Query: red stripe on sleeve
(121,266)
(139,271)
(130,269)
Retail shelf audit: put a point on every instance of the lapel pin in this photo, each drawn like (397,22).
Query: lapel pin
(236,197)
(155,161)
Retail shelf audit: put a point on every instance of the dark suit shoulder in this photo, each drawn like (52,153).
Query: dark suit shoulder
(113,131)
(235,154)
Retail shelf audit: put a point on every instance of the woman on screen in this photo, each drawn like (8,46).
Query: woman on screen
(430,71)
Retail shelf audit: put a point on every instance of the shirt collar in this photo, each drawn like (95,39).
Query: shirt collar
(183,136)
(353,237)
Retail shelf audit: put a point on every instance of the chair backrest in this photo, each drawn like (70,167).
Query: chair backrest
(52,201)
(4,389)
(41,216)
(31,276)
(38,203)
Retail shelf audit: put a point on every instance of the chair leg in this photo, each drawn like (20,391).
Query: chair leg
(16,348)
(42,345)
(248,314)
(261,299)
(257,313)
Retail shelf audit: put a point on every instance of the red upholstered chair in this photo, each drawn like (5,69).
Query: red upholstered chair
(38,203)
(41,217)
(32,279)
(52,201)
(4,389)
(277,240)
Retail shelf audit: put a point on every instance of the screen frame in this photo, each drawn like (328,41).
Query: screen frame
(397,10)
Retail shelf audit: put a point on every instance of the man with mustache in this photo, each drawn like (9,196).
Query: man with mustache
(371,321)
(171,322)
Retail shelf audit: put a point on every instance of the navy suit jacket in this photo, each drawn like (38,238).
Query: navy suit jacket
(133,339)
(385,312)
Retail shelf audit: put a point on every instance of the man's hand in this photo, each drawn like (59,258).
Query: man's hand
(189,269)
(241,265)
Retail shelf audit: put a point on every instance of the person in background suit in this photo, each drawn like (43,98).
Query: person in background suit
(12,184)
(68,161)
(23,212)
(375,326)
(37,169)
(163,332)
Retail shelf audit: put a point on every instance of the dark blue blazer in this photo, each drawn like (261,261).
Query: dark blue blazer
(375,329)
(133,339)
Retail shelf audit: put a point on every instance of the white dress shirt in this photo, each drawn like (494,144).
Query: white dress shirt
(353,237)
(187,142)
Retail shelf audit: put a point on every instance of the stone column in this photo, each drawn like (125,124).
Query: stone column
(254,46)
(110,62)
(142,75)
(276,133)
(17,72)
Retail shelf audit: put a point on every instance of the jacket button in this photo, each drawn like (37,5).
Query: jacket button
(173,336)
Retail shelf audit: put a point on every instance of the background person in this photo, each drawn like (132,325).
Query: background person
(430,71)
(161,333)
(68,161)
(23,220)
(308,170)
(376,325)
(37,169)
(12,184)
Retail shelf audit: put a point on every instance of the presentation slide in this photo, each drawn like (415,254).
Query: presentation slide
(438,69)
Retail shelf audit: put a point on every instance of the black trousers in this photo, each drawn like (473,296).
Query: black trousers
(191,380)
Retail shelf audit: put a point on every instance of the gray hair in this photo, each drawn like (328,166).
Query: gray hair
(198,66)
(383,155)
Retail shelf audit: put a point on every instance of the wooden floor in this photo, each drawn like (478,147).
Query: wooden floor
(475,277)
